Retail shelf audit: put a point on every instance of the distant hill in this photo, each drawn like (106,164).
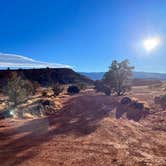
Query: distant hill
(138,75)
(46,76)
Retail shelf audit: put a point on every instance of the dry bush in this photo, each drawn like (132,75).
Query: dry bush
(44,93)
(73,89)
(18,89)
(82,85)
(161,100)
(100,87)
(57,89)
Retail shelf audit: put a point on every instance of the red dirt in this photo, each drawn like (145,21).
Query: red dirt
(85,132)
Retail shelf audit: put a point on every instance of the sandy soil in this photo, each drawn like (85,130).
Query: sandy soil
(84,132)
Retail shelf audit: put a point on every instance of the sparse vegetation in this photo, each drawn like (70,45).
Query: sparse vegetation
(53,112)
(161,100)
(57,89)
(100,87)
(118,78)
(44,93)
(107,90)
(73,89)
(36,85)
(82,85)
(18,89)
(87,114)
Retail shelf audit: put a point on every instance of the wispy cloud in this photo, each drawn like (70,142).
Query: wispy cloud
(19,61)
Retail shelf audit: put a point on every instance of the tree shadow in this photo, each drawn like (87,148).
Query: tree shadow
(79,117)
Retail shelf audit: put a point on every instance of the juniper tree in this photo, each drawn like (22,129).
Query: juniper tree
(118,77)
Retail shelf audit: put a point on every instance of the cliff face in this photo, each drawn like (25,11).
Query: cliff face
(46,76)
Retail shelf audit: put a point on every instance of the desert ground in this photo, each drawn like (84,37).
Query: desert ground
(86,132)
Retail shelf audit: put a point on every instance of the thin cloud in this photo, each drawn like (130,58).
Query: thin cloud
(19,61)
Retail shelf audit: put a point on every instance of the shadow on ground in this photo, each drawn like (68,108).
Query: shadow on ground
(79,117)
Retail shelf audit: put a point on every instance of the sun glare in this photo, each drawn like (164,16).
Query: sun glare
(151,43)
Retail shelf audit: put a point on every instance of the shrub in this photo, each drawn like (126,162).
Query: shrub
(73,89)
(161,100)
(57,89)
(107,90)
(18,89)
(81,86)
(100,87)
(31,87)
(36,85)
(44,93)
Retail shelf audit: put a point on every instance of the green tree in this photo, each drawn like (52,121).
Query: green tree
(118,77)
(18,89)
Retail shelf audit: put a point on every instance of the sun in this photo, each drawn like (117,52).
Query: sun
(150,44)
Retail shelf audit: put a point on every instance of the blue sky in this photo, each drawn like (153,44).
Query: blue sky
(84,34)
